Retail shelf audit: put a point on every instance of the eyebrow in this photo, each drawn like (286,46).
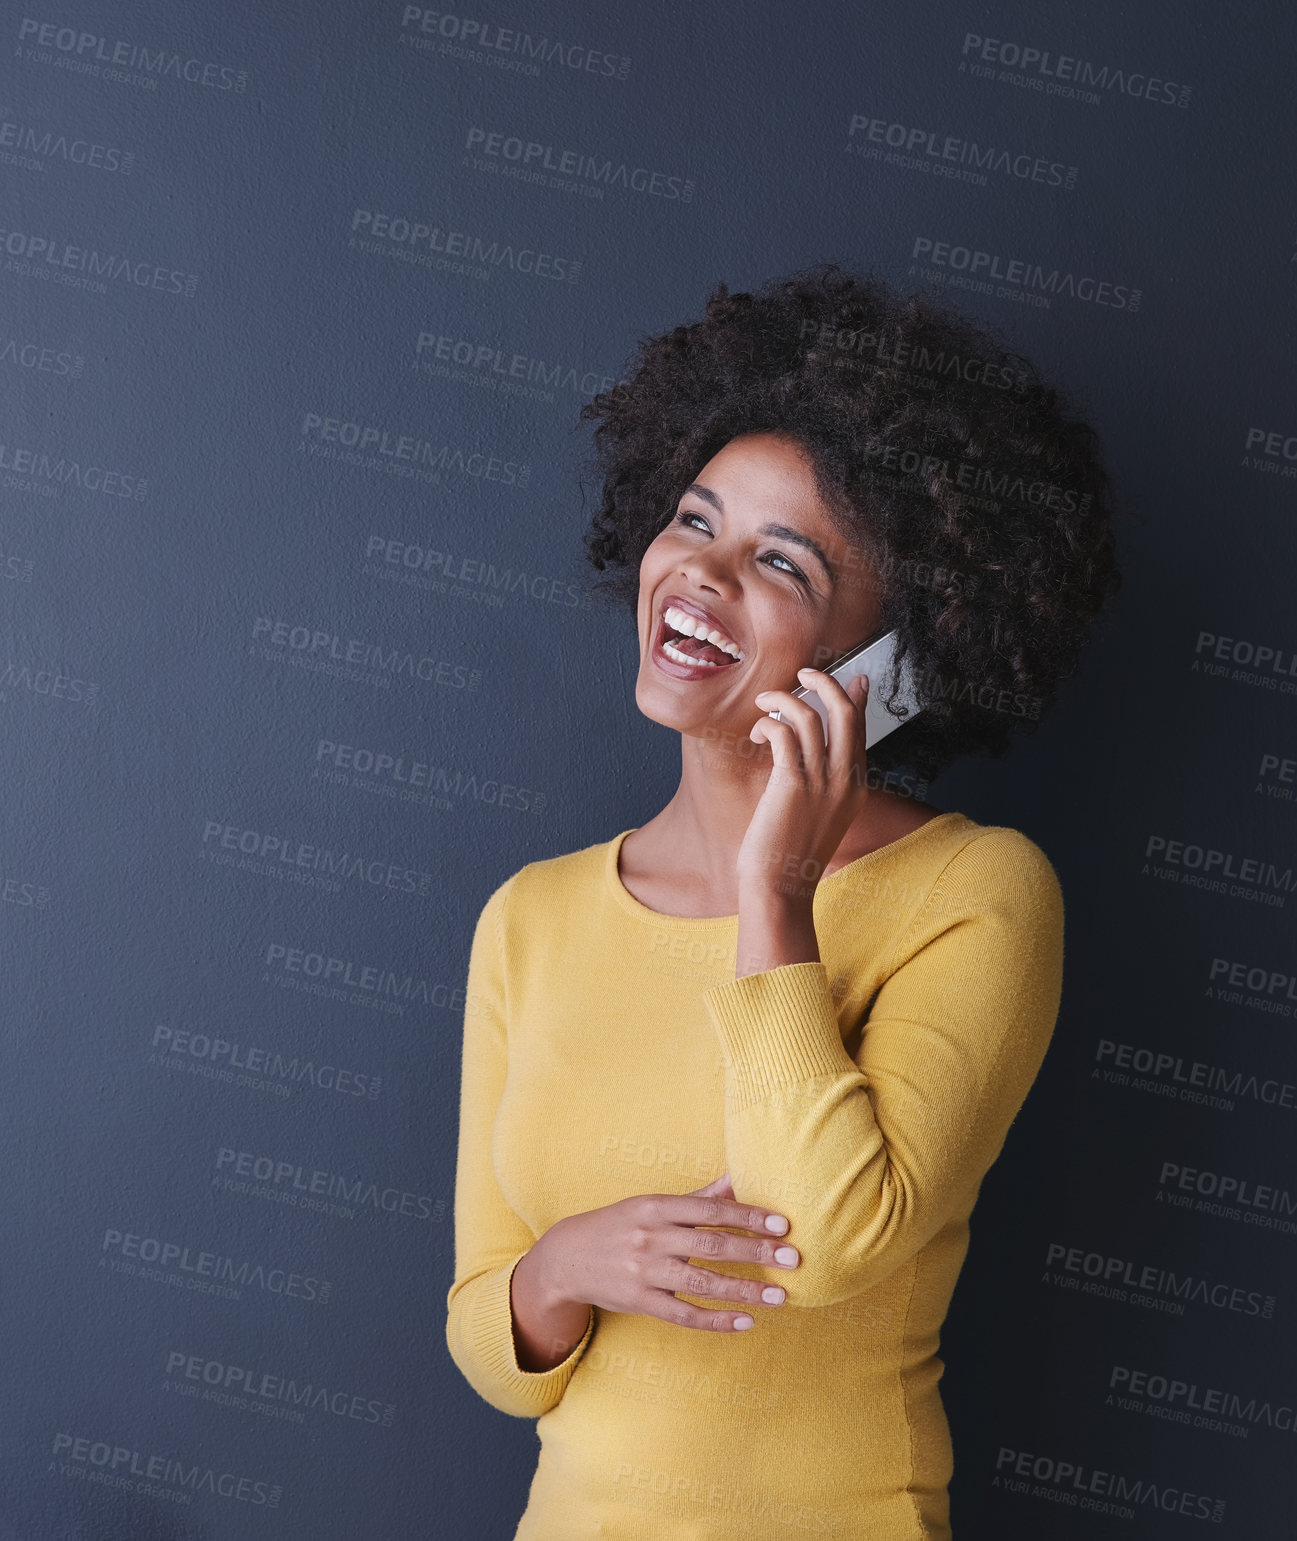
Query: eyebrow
(779,531)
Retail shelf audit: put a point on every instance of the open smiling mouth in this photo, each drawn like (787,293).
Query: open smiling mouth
(681,647)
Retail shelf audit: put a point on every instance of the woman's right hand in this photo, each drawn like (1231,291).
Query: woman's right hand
(630,1256)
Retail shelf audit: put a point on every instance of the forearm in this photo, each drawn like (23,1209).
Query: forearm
(877,1149)
(546,1325)
(800,1123)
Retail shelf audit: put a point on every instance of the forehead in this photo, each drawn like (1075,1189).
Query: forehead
(762,470)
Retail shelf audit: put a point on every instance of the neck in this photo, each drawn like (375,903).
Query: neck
(721,783)
(722,780)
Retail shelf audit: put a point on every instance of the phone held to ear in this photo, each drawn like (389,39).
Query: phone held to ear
(873,657)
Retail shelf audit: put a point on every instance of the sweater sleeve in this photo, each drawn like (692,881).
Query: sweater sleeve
(873,1154)
(490,1238)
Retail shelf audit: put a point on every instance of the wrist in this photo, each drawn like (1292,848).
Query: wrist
(546,1326)
(774,931)
(778,899)
(547,1274)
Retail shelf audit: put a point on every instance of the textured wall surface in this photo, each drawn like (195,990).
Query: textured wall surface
(298,304)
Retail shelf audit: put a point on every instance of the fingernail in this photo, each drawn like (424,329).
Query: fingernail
(777,1224)
(773,1295)
(742,1323)
(786,1255)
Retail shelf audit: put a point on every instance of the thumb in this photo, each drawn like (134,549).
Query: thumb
(720,1188)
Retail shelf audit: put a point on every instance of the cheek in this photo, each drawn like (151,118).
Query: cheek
(643,610)
(651,568)
(653,557)
(784,643)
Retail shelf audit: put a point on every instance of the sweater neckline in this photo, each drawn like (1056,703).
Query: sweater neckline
(629,903)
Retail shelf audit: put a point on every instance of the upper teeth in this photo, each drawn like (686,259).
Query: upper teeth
(681,620)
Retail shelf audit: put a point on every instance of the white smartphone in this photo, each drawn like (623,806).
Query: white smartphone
(873,657)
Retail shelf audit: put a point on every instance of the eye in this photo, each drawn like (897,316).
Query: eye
(686,514)
(795,571)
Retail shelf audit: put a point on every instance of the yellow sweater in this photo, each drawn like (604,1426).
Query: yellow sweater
(609,1051)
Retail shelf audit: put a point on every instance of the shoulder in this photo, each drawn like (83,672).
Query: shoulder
(992,919)
(545,887)
(1000,854)
(995,869)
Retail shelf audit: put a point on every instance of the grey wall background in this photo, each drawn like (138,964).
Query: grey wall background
(300,661)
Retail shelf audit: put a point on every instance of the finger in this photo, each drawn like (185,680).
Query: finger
(862,732)
(788,740)
(811,731)
(718,1246)
(690,1209)
(664,1304)
(846,712)
(789,707)
(767,728)
(691,1279)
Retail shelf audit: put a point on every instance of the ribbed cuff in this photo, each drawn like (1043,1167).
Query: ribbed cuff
(493,1339)
(776,1028)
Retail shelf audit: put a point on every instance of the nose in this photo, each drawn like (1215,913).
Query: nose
(708,568)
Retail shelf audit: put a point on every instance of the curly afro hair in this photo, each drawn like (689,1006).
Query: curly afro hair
(977,498)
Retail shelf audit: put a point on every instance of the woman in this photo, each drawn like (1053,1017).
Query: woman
(732,1079)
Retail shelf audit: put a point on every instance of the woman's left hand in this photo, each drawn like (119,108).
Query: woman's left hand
(816,791)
